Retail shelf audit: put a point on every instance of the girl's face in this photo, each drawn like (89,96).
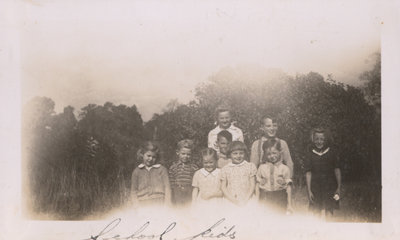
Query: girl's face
(269,128)
(223,144)
(184,154)
(237,156)
(209,163)
(149,158)
(224,119)
(273,155)
(319,140)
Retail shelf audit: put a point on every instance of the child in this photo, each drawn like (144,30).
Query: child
(150,184)
(181,174)
(224,122)
(238,177)
(206,181)
(273,178)
(269,127)
(224,138)
(323,175)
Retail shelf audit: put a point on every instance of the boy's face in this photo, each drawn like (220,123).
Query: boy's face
(273,155)
(222,145)
(209,163)
(149,158)
(269,128)
(237,156)
(224,119)
(319,140)
(184,154)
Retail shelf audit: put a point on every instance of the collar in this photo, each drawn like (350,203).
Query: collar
(263,138)
(231,127)
(276,164)
(148,168)
(237,165)
(206,173)
(320,153)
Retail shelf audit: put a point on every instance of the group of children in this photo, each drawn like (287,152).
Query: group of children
(229,176)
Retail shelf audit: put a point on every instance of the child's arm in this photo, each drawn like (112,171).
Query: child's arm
(289,197)
(286,157)
(167,196)
(226,193)
(195,194)
(338,180)
(308,181)
(257,191)
(254,157)
(251,188)
(134,185)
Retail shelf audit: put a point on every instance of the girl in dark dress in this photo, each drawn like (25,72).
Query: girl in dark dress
(323,175)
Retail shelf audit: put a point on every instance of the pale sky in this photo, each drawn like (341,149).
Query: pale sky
(148,52)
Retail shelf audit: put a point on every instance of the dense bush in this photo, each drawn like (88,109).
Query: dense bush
(75,167)
(300,103)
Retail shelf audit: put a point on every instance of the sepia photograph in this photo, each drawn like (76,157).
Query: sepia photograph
(199,119)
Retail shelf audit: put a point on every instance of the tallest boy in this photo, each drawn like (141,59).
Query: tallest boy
(224,122)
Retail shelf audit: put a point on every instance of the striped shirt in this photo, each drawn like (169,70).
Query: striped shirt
(181,174)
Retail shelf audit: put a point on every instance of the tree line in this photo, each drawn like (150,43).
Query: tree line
(77,165)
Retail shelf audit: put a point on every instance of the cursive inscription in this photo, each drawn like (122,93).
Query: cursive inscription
(211,232)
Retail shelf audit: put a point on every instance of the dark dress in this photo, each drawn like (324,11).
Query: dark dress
(323,179)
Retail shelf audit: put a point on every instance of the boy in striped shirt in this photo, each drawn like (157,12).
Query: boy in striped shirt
(181,174)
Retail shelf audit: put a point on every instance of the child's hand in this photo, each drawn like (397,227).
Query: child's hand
(311,196)
(205,196)
(337,191)
(289,210)
(263,181)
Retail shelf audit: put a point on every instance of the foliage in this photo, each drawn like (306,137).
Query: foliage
(88,161)
(75,167)
(372,82)
(299,103)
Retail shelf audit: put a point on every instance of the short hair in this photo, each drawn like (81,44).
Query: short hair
(235,146)
(327,133)
(270,143)
(273,118)
(209,152)
(222,108)
(186,143)
(146,147)
(225,134)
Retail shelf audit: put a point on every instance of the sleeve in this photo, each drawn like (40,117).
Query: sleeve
(240,135)
(287,176)
(337,159)
(212,139)
(286,157)
(195,182)
(254,157)
(223,175)
(259,174)
(253,170)
(307,163)
(165,178)
(134,181)
(171,174)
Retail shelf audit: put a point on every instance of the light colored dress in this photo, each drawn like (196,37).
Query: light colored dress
(238,178)
(208,183)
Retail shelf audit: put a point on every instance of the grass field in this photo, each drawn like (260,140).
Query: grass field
(360,202)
